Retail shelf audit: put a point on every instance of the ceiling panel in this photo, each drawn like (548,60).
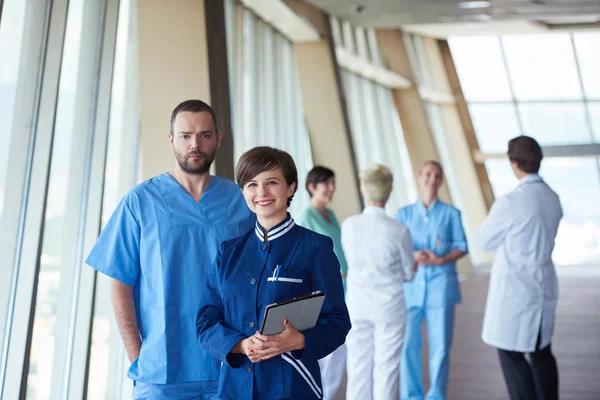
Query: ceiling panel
(398,13)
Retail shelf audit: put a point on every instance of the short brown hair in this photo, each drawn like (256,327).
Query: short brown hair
(264,158)
(194,106)
(526,152)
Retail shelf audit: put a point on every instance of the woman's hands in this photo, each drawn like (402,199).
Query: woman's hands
(260,347)
(427,257)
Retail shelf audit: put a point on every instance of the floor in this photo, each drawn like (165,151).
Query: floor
(475,372)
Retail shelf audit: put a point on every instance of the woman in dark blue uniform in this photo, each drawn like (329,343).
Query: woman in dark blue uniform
(275,261)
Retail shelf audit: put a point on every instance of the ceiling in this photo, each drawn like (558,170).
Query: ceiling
(445,17)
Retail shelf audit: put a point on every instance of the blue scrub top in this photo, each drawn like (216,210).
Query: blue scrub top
(440,230)
(163,243)
(251,273)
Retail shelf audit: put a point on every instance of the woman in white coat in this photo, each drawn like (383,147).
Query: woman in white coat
(521,303)
(379,253)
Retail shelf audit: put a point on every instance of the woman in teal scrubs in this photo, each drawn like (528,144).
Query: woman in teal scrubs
(320,183)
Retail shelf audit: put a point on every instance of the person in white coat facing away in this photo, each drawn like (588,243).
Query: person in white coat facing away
(379,253)
(523,292)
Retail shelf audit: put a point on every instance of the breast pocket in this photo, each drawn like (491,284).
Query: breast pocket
(285,283)
(443,245)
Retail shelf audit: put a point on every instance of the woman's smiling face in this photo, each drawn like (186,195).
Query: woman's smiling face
(266,195)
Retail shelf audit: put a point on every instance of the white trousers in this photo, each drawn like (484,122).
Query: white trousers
(373,365)
(332,372)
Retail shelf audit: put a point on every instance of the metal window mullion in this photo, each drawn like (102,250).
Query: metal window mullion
(15,363)
(511,86)
(588,117)
(26,103)
(80,323)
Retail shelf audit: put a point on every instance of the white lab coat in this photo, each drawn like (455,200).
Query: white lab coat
(380,258)
(523,290)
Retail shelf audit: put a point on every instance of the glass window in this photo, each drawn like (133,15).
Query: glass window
(51,327)
(542,67)
(480,68)
(336,31)
(265,90)
(594,112)
(587,45)
(553,124)
(11,39)
(376,56)
(495,124)
(577,182)
(106,354)
(377,135)
(362,46)
(17,96)
(501,176)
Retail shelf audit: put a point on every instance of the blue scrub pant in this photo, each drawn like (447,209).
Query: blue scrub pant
(181,390)
(440,327)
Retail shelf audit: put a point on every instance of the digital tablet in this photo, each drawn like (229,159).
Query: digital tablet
(302,312)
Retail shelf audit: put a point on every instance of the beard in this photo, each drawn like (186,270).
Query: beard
(198,166)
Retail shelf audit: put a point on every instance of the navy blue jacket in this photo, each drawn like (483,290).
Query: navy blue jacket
(239,289)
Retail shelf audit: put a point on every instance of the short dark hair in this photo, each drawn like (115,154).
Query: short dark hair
(264,158)
(526,152)
(317,175)
(194,106)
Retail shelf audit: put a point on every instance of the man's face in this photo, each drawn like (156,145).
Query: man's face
(194,141)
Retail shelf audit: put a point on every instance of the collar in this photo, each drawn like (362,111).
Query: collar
(276,231)
(373,210)
(530,178)
(424,210)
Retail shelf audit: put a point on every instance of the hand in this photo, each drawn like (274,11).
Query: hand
(430,258)
(133,354)
(265,347)
(419,256)
(244,346)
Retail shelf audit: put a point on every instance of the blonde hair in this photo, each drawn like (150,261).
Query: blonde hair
(376,183)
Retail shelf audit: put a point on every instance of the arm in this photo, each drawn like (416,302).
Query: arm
(495,226)
(332,326)
(124,307)
(407,252)
(117,255)
(222,342)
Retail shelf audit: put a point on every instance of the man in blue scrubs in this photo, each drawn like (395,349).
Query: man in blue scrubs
(439,240)
(158,247)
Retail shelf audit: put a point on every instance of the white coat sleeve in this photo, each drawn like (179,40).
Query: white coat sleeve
(495,226)
(408,258)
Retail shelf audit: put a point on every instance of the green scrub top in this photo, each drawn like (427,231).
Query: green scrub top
(311,219)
